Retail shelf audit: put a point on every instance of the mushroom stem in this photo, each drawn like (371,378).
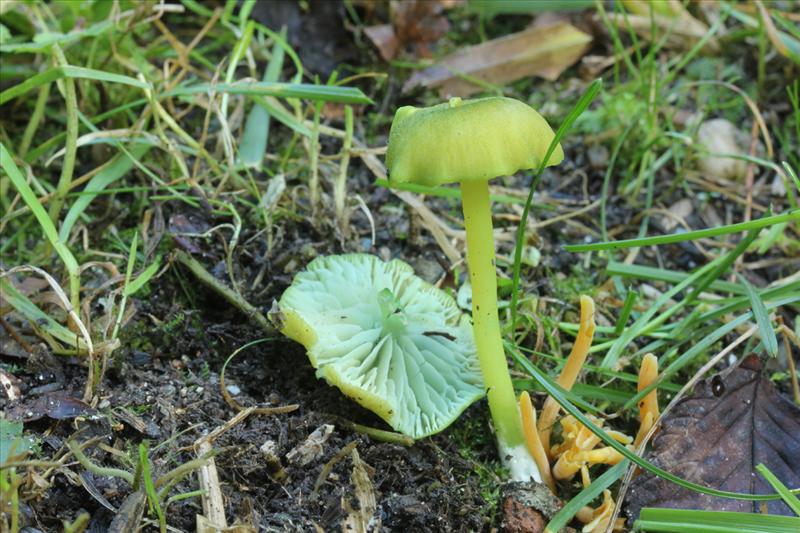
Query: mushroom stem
(580,349)
(486,325)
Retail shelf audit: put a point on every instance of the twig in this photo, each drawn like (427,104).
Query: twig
(16,336)
(326,469)
(239,407)
(380,435)
(205,277)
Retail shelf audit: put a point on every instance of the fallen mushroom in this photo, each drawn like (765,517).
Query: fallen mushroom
(392,342)
(471,142)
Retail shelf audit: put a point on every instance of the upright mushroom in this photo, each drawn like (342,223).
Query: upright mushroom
(470,142)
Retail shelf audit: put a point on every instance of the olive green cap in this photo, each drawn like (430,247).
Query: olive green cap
(463,140)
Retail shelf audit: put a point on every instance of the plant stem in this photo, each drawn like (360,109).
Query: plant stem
(485,319)
(207,279)
(340,189)
(36,118)
(71,145)
(314,148)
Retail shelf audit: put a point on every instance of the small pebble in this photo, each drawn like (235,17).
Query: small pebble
(140,358)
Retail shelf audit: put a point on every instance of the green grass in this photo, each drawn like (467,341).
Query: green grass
(680,521)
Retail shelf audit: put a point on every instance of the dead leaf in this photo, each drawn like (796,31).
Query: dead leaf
(420,23)
(130,513)
(87,480)
(784,43)
(149,428)
(416,24)
(542,51)
(187,229)
(719,136)
(716,437)
(670,16)
(384,39)
(360,518)
(57,405)
(310,449)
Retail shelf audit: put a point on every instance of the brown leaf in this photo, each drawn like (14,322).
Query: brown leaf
(419,21)
(361,517)
(312,448)
(130,513)
(384,39)
(669,17)
(542,51)
(56,405)
(415,25)
(716,437)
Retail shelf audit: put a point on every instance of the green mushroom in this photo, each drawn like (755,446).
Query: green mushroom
(470,142)
(394,343)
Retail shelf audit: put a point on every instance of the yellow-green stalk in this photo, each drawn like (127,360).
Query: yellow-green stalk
(485,320)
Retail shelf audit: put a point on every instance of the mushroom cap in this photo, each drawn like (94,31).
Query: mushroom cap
(463,140)
(394,343)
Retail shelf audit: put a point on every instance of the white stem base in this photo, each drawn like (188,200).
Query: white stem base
(519,462)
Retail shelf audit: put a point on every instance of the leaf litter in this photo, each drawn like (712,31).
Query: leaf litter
(544,51)
(731,423)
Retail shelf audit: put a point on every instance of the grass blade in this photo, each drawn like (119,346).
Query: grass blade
(767,334)
(36,316)
(134,286)
(707,340)
(67,71)
(45,40)
(625,313)
(689,521)
(565,515)
(645,319)
(308,91)
(789,498)
(121,164)
(618,268)
(762,222)
(723,265)
(254,141)
(573,115)
(31,200)
(150,489)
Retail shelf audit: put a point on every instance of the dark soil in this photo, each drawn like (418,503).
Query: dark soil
(166,378)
